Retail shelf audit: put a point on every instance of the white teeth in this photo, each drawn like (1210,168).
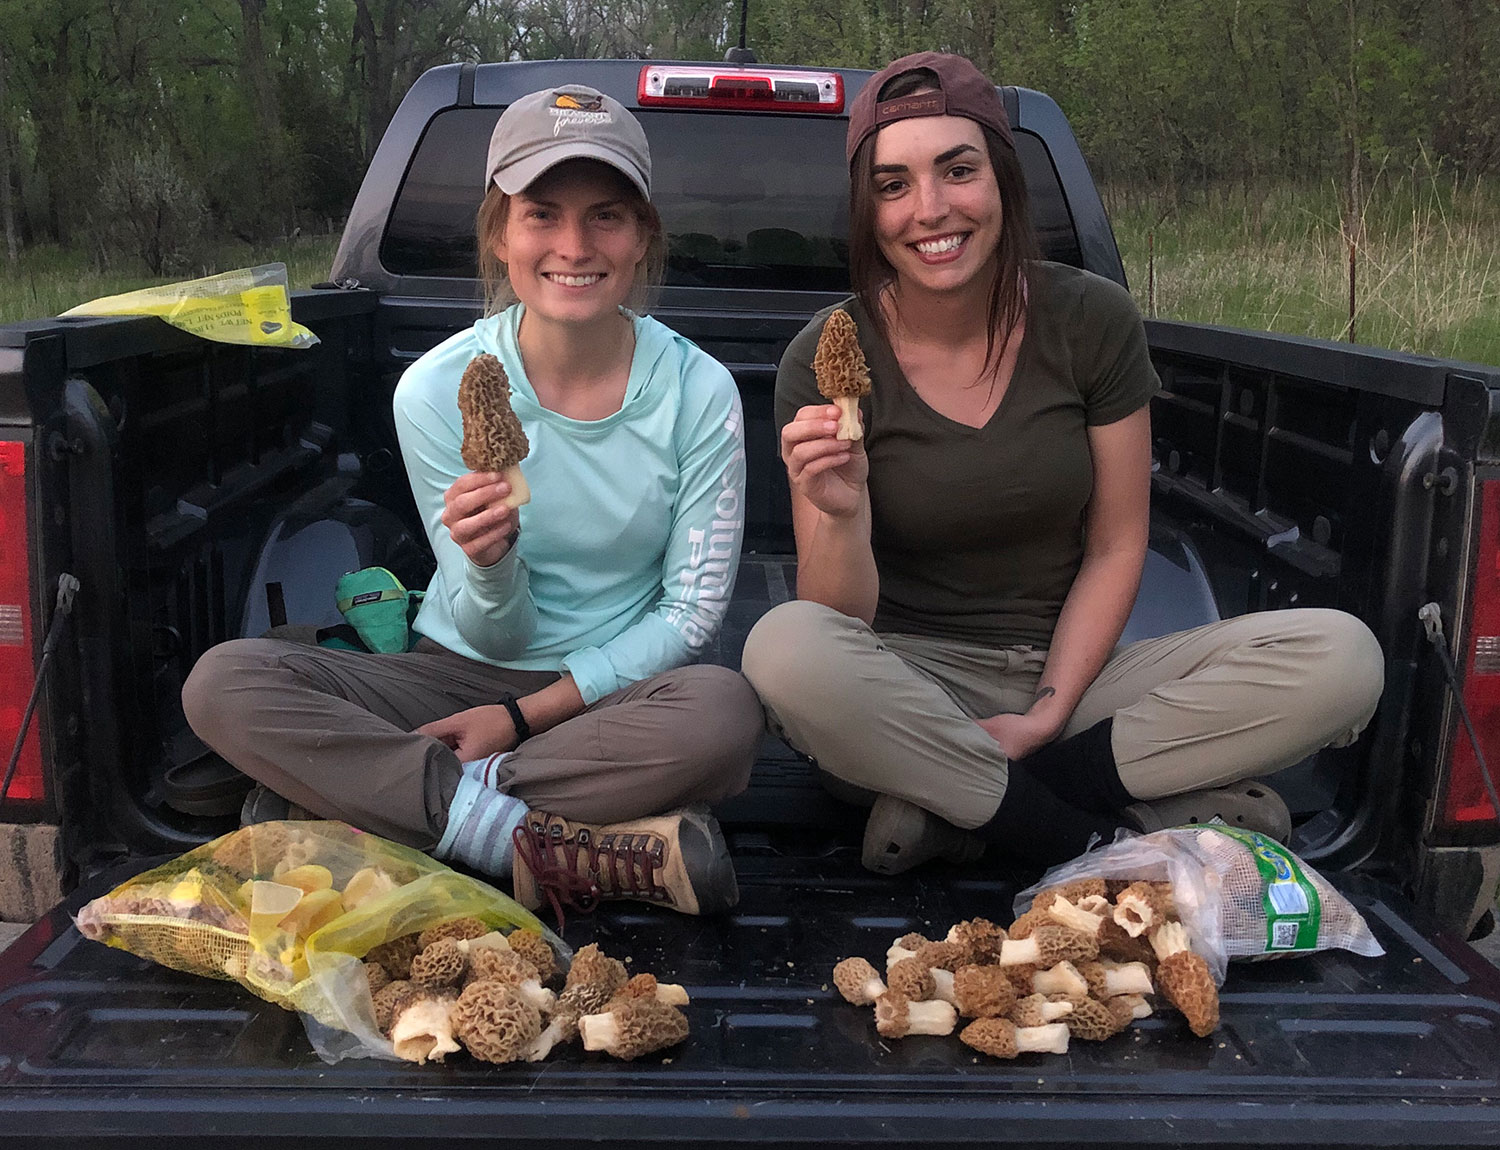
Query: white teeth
(574,281)
(937,247)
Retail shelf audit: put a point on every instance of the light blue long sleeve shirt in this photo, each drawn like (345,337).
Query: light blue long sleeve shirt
(629,547)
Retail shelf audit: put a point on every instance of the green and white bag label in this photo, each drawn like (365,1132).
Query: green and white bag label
(1293,912)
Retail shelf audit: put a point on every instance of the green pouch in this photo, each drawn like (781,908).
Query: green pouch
(379,608)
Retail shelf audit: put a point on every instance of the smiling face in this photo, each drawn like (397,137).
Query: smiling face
(937,206)
(572,242)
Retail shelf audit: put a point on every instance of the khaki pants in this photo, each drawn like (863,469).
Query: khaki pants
(332,730)
(894,714)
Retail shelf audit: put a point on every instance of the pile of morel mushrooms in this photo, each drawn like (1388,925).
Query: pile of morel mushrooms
(1082,963)
(462,985)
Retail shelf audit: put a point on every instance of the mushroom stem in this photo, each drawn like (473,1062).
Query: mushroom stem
(849,427)
(1049,1039)
(520,490)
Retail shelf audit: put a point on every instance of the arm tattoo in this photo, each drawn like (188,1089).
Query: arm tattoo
(1044,692)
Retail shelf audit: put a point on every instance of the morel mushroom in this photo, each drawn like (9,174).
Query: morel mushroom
(842,374)
(490,965)
(534,949)
(386,999)
(1001,1038)
(440,964)
(1061,979)
(1039,1010)
(632,1027)
(1093,1021)
(422,1024)
(1108,979)
(982,991)
(912,980)
(980,939)
(896,1016)
(1047,946)
(1140,907)
(858,981)
(377,977)
(1185,979)
(493,437)
(646,986)
(494,1022)
(455,928)
(904,947)
(396,955)
(592,981)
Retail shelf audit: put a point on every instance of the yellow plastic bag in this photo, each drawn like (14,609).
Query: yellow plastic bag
(288,910)
(248,305)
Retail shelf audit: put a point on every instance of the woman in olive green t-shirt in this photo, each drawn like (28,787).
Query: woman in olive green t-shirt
(965,570)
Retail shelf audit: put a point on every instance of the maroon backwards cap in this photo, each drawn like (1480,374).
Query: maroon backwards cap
(965,92)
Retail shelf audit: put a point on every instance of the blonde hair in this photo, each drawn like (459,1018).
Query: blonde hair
(489,226)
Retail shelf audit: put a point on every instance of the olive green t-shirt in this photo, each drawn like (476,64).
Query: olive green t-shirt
(978,532)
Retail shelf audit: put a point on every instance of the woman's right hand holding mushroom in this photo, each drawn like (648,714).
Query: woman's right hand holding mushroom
(828,472)
(477,519)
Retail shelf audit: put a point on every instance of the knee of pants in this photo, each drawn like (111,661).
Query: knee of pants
(782,652)
(1345,672)
(212,694)
(727,728)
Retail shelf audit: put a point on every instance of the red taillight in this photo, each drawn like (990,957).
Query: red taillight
(17,672)
(728,88)
(1466,801)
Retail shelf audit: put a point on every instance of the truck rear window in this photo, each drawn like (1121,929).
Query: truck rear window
(747,201)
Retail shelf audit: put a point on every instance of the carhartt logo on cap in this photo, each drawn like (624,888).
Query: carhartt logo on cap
(578,108)
(904,107)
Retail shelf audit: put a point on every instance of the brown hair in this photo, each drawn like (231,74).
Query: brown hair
(489,225)
(871,273)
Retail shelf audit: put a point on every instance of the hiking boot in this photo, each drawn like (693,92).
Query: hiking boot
(263,805)
(1247,805)
(678,860)
(900,835)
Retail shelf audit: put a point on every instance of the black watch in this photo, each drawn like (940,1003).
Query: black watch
(518,720)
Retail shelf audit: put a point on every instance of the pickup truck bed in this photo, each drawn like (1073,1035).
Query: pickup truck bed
(1331,1050)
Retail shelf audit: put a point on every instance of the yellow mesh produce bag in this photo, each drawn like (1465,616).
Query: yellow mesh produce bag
(289,910)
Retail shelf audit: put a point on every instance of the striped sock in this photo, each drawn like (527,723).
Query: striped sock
(480,821)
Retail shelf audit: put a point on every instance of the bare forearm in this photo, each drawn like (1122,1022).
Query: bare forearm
(1092,619)
(553,704)
(835,565)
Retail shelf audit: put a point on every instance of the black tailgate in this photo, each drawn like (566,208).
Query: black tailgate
(98,1047)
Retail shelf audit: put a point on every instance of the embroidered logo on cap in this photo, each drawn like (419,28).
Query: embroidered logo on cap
(578,108)
(905,107)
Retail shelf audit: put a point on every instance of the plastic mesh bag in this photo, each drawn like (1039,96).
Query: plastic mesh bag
(1238,894)
(288,910)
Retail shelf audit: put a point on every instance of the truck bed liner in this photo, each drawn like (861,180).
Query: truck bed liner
(1330,1050)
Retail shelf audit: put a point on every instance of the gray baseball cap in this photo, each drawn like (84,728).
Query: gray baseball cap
(545,128)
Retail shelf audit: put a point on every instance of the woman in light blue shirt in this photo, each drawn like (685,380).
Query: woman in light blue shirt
(550,703)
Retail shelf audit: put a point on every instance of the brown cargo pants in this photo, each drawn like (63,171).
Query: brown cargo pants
(894,714)
(334,731)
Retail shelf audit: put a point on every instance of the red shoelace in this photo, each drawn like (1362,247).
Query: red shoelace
(623,866)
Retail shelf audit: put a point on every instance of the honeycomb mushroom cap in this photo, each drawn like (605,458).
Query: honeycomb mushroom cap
(494,1023)
(377,976)
(441,963)
(983,991)
(1028,922)
(385,1000)
(641,985)
(839,363)
(455,928)
(534,949)
(981,940)
(1062,944)
(1092,1021)
(1115,944)
(853,978)
(1184,978)
(396,955)
(912,941)
(493,437)
(637,1026)
(593,978)
(911,979)
(488,964)
(993,1036)
(1020,975)
(941,955)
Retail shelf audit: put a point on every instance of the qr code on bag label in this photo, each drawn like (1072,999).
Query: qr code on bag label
(1283,935)
(1287,898)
